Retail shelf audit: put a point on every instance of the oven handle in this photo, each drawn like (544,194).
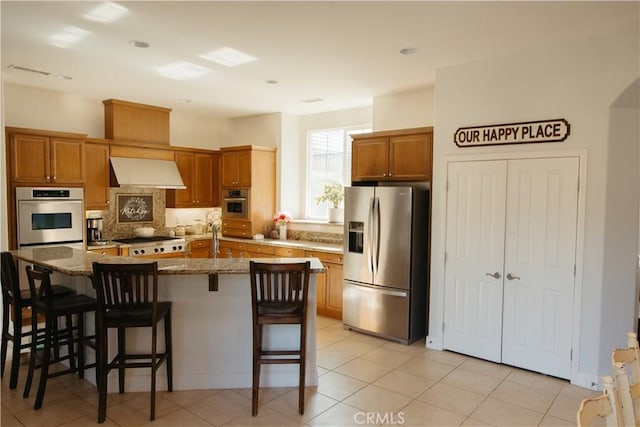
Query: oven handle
(235,199)
(49,202)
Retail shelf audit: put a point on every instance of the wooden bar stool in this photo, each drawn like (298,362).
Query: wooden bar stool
(128,298)
(52,308)
(279,294)
(14,303)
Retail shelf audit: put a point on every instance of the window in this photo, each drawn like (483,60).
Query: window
(328,161)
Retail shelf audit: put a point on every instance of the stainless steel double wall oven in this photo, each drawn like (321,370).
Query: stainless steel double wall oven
(49,216)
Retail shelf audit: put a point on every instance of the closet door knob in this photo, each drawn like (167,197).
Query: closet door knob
(512,277)
(495,275)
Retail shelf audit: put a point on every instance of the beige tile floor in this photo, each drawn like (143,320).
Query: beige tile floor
(362,381)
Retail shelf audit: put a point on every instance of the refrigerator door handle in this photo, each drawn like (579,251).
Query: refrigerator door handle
(376,237)
(369,237)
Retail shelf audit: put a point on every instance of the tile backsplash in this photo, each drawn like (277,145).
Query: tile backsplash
(164,219)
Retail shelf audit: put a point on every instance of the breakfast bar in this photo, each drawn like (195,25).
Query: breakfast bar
(211,304)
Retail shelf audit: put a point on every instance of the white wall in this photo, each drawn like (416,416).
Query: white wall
(197,132)
(578,82)
(41,109)
(292,166)
(4,226)
(263,129)
(403,110)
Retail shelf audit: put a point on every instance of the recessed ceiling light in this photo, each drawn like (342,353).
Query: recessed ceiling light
(182,70)
(312,100)
(138,43)
(67,36)
(63,77)
(106,12)
(272,82)
(228,56)
(408,51)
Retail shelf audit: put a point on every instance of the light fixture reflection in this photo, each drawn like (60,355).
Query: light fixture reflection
(68,36)
(228,56)
(181,70)
(106,12)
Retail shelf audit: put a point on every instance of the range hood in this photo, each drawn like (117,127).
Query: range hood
(146,173)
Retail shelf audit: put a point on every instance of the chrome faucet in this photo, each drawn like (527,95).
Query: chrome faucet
(216,243)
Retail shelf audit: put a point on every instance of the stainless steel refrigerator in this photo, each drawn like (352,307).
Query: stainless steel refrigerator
(386,261)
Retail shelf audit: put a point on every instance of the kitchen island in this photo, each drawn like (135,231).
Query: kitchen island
(211,325)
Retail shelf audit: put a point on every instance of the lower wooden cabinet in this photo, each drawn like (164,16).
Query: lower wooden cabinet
(199,248)
(329,284)
(245,250)
(105,251)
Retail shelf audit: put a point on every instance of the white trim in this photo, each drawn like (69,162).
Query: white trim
(435,339)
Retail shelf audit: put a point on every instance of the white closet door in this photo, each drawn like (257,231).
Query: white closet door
(474,249)
(540,245)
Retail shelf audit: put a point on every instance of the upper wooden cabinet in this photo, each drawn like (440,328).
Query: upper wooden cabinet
(96,186)
(43,157)
(403,155)
(236,168)
(129,121)
(254,168)
(200,173)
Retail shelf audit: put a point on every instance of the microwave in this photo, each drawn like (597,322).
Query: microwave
(235,203)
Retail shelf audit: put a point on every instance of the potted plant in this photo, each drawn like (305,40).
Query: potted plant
(334,194)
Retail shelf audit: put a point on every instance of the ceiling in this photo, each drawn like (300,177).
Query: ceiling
(344,53)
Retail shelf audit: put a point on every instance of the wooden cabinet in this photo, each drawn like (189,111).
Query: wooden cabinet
(245,250)
(44,157)
(129,121)
(105,251)
(200,173)
(329,284)
(96,186)
(199,248)
(253,168)
(236,228)
(289,252)
(404,155)
(236,168)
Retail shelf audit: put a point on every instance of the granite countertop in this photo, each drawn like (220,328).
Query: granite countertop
(78,262)
(299,244)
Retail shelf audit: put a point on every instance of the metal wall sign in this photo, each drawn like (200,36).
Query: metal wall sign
(555,130)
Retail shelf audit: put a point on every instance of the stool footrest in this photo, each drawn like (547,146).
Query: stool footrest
(277,361)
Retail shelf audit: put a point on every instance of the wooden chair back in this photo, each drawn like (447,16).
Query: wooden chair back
(605,406)
(626,369)
(280,291)
(9,279)
(129,285)
(40,287)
